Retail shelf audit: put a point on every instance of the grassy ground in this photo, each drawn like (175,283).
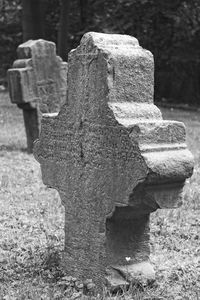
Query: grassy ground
(32,222)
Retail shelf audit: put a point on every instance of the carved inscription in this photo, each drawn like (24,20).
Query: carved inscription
(101,142)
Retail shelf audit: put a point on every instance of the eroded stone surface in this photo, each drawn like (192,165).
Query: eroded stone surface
(37,83)
(112,159)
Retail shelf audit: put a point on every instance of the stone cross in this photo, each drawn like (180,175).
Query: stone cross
(112,158)
(37,83)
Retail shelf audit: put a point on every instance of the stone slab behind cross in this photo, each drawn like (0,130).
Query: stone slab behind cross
(112,158)
(37,83)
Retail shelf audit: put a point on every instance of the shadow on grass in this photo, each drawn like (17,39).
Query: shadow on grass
(11,148)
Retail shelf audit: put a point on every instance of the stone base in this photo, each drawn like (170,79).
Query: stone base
(123,276)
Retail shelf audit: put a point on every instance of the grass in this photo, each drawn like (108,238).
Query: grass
(32,223)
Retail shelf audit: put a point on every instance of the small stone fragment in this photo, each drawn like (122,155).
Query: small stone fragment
(63,283)
(178,298)
(73,279)
(76,295)
(79,285)
(67,278)
(91,286)
(87,281)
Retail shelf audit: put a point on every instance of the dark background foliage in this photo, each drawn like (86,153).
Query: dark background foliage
(170,29)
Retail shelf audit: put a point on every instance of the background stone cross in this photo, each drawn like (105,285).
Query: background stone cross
(37,83)
(112,158)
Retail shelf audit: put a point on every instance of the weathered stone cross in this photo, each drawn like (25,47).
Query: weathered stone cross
(112,158)
(37,84)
